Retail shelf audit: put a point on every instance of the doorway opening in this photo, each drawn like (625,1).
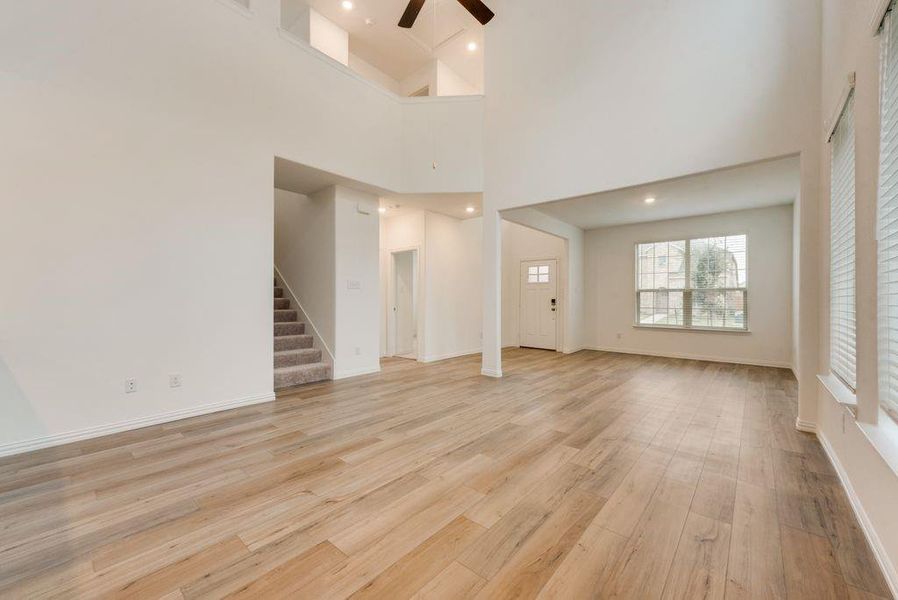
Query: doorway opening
(403,330)
(539,304)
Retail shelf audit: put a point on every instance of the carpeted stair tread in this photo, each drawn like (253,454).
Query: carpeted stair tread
(299,356)
(278,292)
(291,376)
(292,342)
(289,328)
(281,303)
(285,316)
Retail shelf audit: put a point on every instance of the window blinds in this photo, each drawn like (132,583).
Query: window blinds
(842,298)
(887,220)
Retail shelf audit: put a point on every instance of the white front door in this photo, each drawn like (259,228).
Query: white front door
(539,303)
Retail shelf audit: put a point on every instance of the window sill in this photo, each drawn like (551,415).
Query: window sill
(841,392)
(884,438)
(692,329)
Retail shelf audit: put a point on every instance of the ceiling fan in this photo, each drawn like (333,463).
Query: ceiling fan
(475,7)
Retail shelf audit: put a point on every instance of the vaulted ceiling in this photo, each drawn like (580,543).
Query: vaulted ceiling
(443,30)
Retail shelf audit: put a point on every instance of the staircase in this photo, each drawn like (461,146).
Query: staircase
(295,360)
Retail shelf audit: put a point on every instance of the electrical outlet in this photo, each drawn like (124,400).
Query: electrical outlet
(174,380)
(358,351)
(130,385)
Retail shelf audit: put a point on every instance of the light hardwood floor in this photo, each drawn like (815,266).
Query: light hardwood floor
(590,475)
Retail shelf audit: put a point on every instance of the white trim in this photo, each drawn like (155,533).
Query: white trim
(316,335)
(430,359)
(806,426)
(573,350)
(888,570)
(687,356)
(491,372)
(101,430)
(357,372)
(880,7)
(830,125)
(692,328)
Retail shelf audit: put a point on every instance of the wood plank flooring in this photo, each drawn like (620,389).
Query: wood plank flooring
(593,475)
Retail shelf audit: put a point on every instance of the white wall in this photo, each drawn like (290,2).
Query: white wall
(521,243)
(865,450)
(401,232)
(449,278)
(425,76)
(372,73)
(440,79)
(611,284)
(452,282)
(136,189)
(305,254)
(357,333)
(328,37)
(450,83)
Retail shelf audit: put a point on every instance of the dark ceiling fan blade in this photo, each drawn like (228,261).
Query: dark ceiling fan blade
(411,13)
(479,10)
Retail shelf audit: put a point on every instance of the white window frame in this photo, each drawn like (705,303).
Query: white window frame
(688,290)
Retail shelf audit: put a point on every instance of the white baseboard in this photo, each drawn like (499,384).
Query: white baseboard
(356,372)
(887,568)
(92,432)
(806,426)
(491,372)
(430,359)
(686,356)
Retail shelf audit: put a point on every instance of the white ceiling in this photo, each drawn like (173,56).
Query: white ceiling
(768,183)
(452,205)
(401,52)
(302,179)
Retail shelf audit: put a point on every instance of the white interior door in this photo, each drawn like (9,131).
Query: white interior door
(539,304)
(404,305)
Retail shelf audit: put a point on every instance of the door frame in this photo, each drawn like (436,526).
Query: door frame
(391,300)
(560,287)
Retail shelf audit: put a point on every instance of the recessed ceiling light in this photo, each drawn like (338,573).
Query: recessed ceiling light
(650,200)
(470,209)
(472,46)
(346,4)
(382,209)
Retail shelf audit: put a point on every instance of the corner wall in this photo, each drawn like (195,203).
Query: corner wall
(136,188)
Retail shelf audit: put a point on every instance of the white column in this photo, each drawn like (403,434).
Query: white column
(492,291)
(866,110)
(810,287)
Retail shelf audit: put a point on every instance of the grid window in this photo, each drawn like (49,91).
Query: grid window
(698,283)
